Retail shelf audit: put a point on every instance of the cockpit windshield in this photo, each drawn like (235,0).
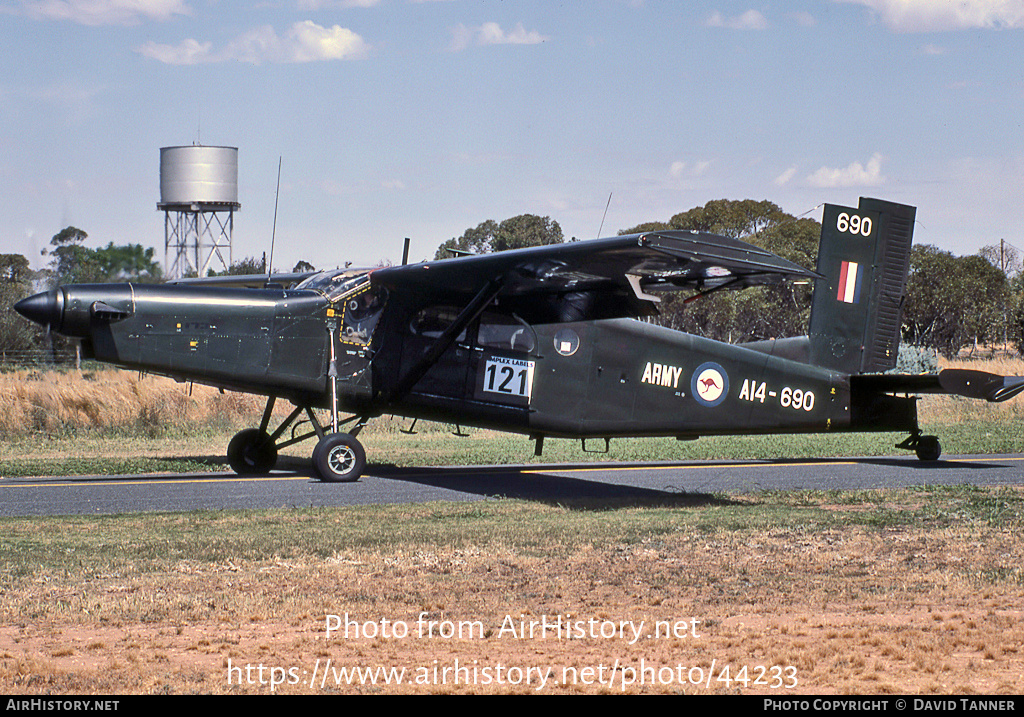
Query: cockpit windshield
(334,283)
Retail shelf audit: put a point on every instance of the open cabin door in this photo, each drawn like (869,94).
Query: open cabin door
(352,319)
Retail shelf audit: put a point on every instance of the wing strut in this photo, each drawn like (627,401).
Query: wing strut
(473,309)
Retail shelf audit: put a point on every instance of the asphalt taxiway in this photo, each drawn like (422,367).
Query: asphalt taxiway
(615,483)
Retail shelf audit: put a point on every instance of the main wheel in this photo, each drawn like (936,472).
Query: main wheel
(928,448)
(251,452)
(339,458)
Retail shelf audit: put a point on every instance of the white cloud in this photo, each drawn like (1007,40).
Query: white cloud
(695,169)
(490,33)
(934,16)
(105,12)
(750,20)
(783,179)
(189,52)
(308,42)
(304,42)
(853,175)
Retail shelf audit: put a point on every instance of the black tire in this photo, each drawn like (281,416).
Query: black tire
(251,452)
(928,448)
(339,458)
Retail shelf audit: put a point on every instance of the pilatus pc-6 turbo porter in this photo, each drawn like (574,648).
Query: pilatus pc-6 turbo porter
(541,341)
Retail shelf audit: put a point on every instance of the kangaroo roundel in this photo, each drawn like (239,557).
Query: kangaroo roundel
(710,384)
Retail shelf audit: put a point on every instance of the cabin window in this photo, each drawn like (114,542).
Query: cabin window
(498,331)
(494,331)
(433,320)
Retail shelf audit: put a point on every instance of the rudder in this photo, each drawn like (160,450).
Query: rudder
(856,311)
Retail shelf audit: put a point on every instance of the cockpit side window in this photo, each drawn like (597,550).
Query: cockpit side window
(499,331)
(335,284)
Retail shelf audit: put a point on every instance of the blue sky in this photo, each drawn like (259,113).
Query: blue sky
(422,118)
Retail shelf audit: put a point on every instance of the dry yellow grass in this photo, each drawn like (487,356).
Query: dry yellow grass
(954,409)
(55,401)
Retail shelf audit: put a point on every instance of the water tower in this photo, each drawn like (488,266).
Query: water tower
(199,197)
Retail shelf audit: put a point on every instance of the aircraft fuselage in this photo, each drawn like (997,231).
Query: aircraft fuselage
(605,378)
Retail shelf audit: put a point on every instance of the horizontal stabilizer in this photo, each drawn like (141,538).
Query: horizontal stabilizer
(955,381)
(979,384)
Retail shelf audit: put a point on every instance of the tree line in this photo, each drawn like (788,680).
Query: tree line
(951,302)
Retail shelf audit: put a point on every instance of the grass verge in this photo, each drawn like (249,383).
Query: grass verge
(904,591)
(177,450)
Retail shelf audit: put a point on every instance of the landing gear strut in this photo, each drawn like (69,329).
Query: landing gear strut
(337,458)
(927,448)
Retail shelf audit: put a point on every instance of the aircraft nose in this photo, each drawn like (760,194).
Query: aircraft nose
(45,308)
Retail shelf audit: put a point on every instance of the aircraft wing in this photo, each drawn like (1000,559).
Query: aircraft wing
(600,278)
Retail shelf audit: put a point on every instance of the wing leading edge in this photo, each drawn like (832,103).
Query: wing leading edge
(600,278)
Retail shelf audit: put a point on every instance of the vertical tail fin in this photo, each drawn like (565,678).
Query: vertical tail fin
(856,311)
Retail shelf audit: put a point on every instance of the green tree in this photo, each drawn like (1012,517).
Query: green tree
(130,262)
(73,263)
(248,265)
(1016,312)
(16,280)
(745,218)
(70,261)
(952,301)
(518,232)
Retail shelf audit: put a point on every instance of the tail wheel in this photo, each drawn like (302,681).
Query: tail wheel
(251,452)
(928,448)
(339,458)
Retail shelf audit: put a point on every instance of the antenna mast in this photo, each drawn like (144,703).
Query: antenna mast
(273,233)
(608,204)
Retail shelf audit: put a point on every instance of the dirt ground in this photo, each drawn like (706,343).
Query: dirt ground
(779,611)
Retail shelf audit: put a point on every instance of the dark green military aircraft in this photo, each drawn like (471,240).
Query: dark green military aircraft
(541,341)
